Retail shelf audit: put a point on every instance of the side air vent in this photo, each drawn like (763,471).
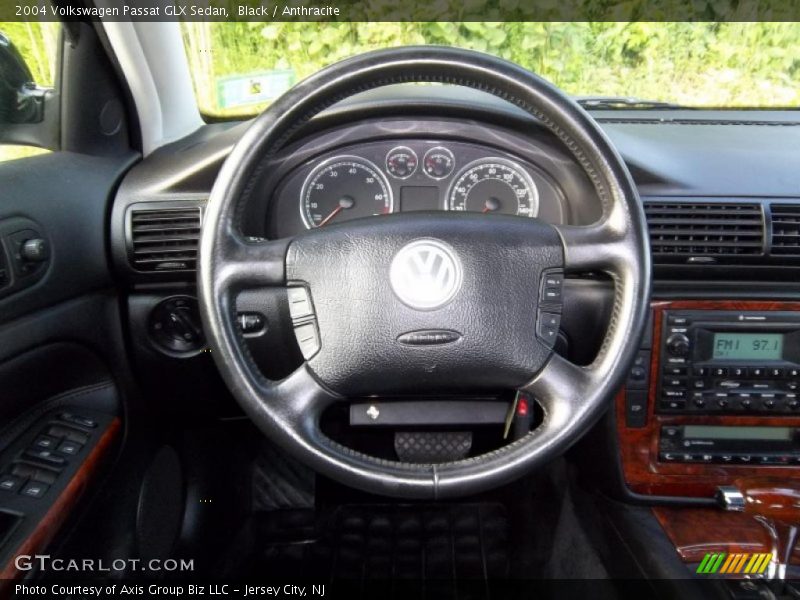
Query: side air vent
(681,230)
(785,229)
(165,239)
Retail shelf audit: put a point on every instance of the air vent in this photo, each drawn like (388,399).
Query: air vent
(786,229)
(165,239)
(691,229)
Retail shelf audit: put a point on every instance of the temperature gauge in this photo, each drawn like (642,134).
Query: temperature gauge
(438,162)
(401,162)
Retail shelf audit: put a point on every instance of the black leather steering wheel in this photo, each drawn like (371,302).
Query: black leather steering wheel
(486,292)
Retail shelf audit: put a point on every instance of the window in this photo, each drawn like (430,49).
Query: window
(37,43)
(238,68)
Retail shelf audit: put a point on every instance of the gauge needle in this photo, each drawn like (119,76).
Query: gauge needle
(491,204)
(344,202)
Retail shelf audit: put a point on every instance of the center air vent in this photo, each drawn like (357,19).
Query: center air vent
(684,229)
(165,239)
(786,229)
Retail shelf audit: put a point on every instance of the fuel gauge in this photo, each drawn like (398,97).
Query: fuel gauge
(401,162)
(438,162)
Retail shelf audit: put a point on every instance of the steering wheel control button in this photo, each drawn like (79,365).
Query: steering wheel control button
(308,339)
(251,322)
(547,327)
(426,274)
(299,303)
(551,289)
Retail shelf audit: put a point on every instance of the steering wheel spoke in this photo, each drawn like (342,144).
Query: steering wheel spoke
(598,247)
(247,262)
(560,388)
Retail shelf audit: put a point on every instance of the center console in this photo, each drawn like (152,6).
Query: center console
(714,395)
(712,398)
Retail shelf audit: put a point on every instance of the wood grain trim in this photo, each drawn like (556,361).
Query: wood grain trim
(639,446)
(61,509)
(697,531)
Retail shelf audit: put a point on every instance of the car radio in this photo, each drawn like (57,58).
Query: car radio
(735,445)
(729,362)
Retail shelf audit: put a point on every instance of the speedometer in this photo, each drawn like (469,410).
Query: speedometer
(343,188)
(494,185)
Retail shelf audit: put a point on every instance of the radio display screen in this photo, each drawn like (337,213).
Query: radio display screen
(748,346)
(711,432)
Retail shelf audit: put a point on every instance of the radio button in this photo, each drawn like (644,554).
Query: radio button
(700,371)
(673,320)
(729,384)
(672,394)
(675,382)
(738,372)
(793,372)
(672,404)
(674,371)
(719,371)
(678,345)
(776,372)
(792,385)
(758,372)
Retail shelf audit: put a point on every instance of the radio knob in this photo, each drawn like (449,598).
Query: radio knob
(678,345)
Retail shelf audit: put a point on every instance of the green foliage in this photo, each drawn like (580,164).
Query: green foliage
(38,44)
(698,64)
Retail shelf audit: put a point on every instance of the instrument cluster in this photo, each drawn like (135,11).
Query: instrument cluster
(380,178)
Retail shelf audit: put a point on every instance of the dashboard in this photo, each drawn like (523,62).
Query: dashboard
(413,174)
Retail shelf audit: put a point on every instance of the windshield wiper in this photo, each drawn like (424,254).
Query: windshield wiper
(614,102)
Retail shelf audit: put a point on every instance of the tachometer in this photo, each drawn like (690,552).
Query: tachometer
(494,185)
(344,188)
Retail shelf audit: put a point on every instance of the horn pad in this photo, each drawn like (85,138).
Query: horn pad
(430,302)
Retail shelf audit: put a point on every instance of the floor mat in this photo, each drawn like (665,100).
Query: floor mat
(427,550)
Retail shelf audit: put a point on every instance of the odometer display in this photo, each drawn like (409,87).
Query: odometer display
(344,188)
(494,186)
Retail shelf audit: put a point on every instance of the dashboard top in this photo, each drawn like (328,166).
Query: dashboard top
(672,154)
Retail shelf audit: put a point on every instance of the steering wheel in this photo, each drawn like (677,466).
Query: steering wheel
(424,302)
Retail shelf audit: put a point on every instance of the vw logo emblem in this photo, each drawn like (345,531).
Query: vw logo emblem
(426,274)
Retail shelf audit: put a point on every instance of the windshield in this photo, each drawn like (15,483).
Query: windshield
(238,68)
